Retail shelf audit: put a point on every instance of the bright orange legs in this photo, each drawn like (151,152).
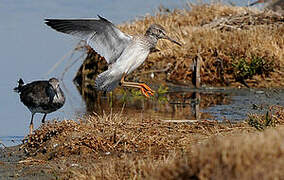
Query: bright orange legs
(145,90)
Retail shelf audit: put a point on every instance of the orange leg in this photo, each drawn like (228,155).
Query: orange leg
(145,90)
(31,124)
(146,93)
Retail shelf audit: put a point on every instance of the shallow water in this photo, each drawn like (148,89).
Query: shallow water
(183,103)
(29,49)
(6,141)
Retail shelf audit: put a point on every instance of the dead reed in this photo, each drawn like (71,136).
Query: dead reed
(217,33)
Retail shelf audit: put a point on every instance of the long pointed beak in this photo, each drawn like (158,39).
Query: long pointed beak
(170,39)
(256,2)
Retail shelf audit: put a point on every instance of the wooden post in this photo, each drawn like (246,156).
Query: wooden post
(196,106)
(196,80)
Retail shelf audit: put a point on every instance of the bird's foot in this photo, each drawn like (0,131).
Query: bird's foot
(31,129)
(146,93)
(146,90)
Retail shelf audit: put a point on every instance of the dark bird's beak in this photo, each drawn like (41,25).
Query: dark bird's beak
(170,39)
(256,2)
(56,94)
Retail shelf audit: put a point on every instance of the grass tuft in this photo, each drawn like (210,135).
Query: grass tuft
(257,66)
(261,122)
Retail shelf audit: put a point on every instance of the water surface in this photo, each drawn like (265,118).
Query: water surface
(29,49)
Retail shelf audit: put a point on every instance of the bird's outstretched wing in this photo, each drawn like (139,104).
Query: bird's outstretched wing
(100,34)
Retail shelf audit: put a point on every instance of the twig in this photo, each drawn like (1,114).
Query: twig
(157,70)
(77,47)
(31,160)
(181,120)
(69,66)
(228,26)
(2,144)
(119,141)
(59,62)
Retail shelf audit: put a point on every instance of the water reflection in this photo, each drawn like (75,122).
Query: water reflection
(167,104)
(170,105)
(174,103)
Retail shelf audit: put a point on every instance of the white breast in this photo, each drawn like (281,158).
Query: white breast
(132,57)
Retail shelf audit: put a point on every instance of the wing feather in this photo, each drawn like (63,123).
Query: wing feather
(100,34)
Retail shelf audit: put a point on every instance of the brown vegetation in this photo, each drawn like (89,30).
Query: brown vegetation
(116,134)
(119,146)
(116,147)
(230,40)
(238,46)
(247,156)
(218,33)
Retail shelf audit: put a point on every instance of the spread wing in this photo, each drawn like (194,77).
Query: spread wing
(100,34)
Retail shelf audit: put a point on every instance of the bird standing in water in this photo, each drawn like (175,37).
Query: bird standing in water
(41,97)
(123,53)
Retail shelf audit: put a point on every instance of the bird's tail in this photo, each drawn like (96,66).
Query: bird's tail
(106,81)
(20,86)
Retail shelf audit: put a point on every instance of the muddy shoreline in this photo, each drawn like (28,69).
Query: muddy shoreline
(12,166)
(81,151)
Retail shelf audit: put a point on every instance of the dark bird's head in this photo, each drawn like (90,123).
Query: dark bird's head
(54,83)
(158,32)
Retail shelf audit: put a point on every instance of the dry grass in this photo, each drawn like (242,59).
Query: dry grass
(217,32)
(115,147)
(248,156)
(238,46)
(117,134)
(272,118)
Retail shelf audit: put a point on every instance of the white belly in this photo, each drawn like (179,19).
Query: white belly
(131,58)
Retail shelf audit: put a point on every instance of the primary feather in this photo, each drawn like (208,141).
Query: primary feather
(106,39)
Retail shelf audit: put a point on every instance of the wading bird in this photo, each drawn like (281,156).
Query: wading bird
(41,97)
(123,53)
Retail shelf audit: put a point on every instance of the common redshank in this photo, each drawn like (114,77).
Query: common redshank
(123,53)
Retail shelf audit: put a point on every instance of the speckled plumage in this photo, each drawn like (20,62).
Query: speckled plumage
(41,96)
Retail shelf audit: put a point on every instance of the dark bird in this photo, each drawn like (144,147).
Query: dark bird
(123,53)
(41,97)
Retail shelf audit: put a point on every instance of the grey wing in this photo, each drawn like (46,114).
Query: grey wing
(100,34)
